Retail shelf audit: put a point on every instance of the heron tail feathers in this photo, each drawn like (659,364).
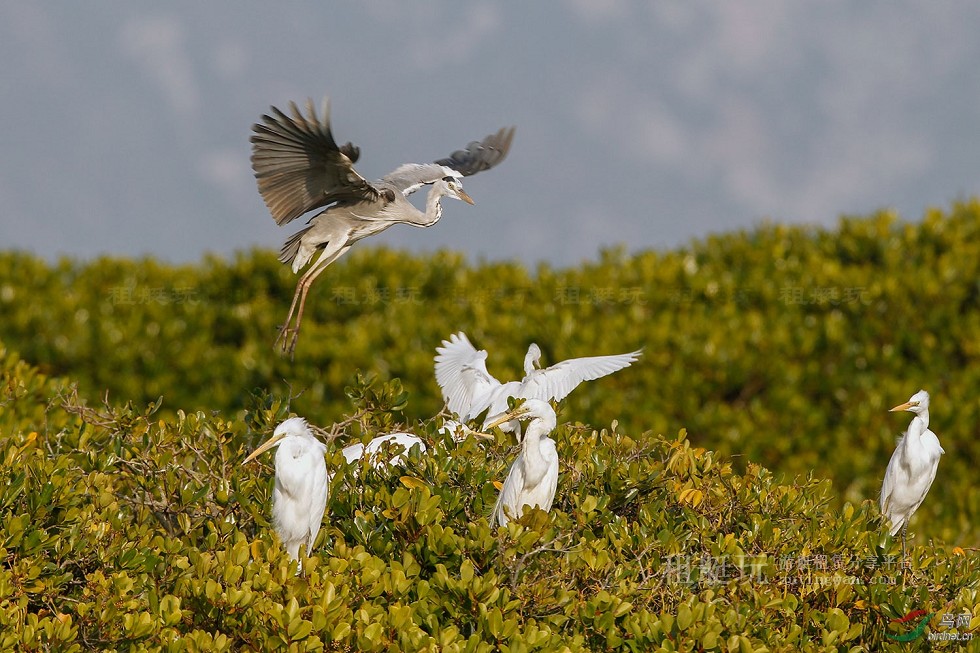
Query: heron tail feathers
(291,248)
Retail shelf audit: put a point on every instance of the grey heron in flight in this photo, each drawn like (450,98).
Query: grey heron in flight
(299,168)
(912,467)
(469,389)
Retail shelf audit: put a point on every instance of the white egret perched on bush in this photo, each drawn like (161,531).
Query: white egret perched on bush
(299,168)
(912,467)
(533,477)
(372,449)
(300,493)
(355,452)
(469,389)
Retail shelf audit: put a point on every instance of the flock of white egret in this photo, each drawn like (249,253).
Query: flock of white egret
(299,168)
(299,496)
(302,481)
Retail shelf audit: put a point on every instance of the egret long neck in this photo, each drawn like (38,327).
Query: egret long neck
(920,423)
(535,466)
(529,360)
(918,426)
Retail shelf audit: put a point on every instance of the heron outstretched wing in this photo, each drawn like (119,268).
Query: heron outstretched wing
(557,381)
(477,157)
(480,155)
(299,166)
(461,372)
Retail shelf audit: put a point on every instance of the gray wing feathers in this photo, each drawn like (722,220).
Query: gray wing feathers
(289,250)
(299,166)
(480,155)
(476,157)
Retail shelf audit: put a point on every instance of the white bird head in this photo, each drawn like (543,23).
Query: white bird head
(450,186)
(918,404)
(530,410)
(294,427)
(531,358)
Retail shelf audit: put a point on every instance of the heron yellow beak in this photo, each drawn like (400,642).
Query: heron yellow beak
(265,446)
(463,196)
(905,406)
(506,417)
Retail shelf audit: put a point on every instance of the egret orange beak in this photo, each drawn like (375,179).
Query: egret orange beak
(463,196)
(265,446)
(905,406)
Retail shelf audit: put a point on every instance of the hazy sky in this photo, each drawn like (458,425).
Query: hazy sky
(124,125)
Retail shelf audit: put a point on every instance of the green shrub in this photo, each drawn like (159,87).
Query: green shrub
(130,524)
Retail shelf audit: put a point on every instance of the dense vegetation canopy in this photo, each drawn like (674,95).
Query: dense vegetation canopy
(717,495)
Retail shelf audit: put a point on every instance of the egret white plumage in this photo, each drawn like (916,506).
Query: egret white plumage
(406,441)
(460,432)
(469,389)
(355,452)
(299,167)
(533,476)
(912,467)
(300,493)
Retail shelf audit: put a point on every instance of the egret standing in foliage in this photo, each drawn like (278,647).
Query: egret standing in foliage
(469,389)
(355,452)
(912,467)
(372,449)
(300,494)
(533,477)
(299,167)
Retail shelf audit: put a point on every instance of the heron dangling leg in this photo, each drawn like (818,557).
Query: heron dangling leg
(288,335)
(285,328)
(286,340)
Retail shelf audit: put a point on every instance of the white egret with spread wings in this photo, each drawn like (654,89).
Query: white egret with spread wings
(469,389)
(912,467)
(299,168)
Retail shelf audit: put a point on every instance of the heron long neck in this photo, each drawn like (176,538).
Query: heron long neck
(433,204)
